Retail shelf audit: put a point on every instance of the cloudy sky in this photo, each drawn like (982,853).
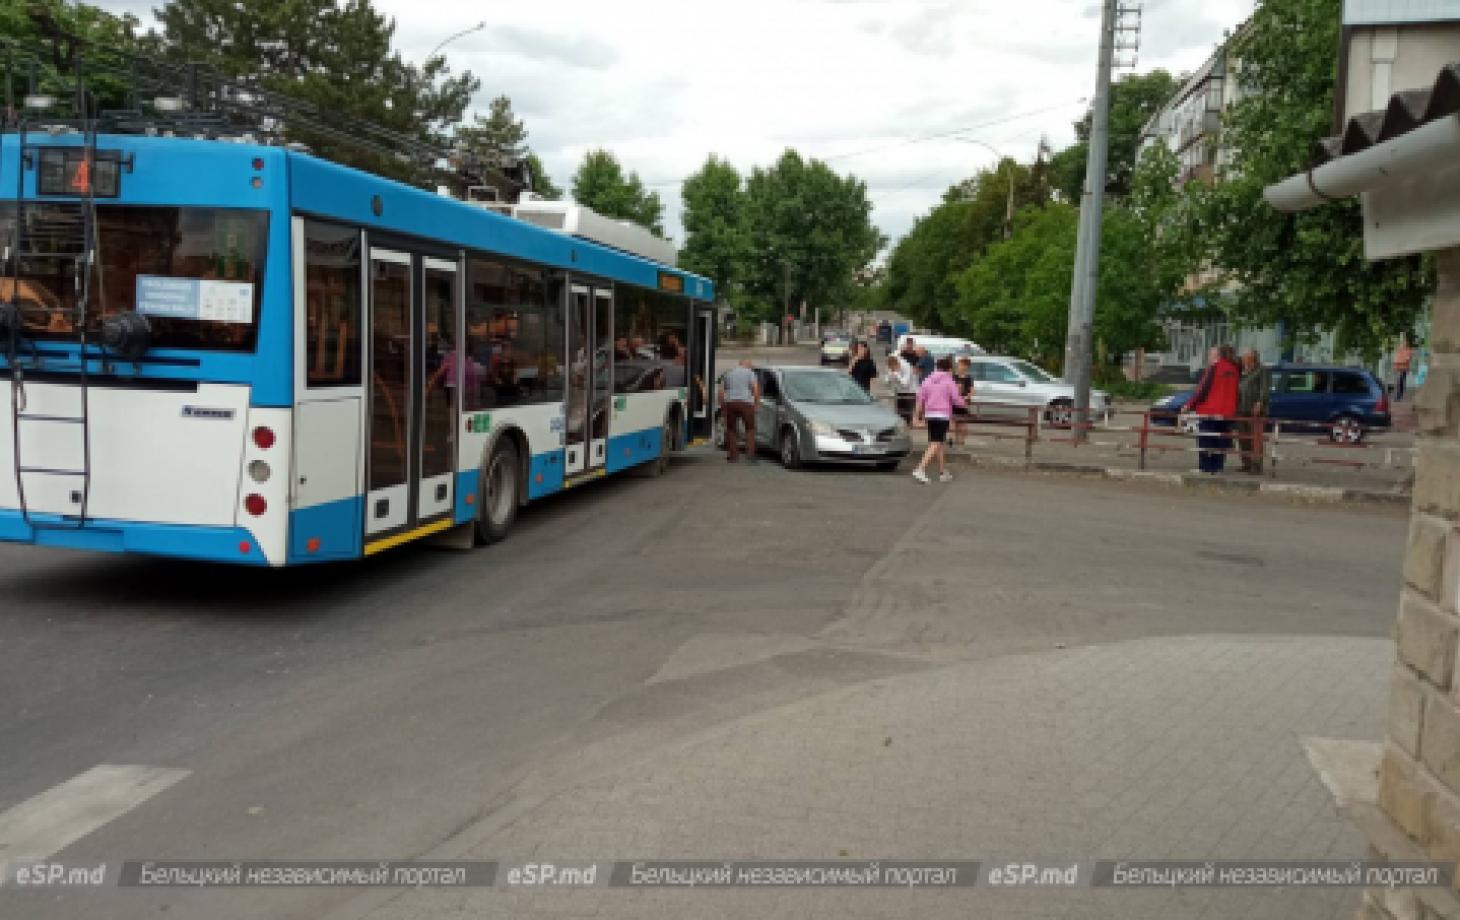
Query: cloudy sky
(861,84)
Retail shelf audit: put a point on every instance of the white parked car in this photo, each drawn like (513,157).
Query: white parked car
(938,345)
(1016,382)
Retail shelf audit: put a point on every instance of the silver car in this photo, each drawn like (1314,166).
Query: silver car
(815,415)
(1017,383)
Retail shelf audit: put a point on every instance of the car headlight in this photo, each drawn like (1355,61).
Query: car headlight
(822,428)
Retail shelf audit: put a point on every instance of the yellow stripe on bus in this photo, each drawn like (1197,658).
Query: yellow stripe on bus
(585,477)
(423,531)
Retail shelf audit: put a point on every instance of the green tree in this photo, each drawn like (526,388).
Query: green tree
(1305,270)
(500,138)
(717,240)
(55,33)
(336,56)
(810,231)
(600,184)
(1015,298)
(1133,100)
(925,264)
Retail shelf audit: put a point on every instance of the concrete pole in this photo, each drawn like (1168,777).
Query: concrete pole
(1078,343)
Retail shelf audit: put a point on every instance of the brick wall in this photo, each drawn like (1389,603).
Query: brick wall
(1419,778)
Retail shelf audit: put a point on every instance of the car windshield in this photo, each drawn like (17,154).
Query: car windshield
(1032,372)
(816,387)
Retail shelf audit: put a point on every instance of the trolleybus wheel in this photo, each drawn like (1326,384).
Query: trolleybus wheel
(498,493)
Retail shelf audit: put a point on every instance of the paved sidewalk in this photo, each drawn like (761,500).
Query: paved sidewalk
(1183,748)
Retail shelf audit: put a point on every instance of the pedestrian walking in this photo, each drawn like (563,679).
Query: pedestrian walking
(1403,358)
(1253,395)
(1215,402)
(740,395)
(937,397)
(862,368)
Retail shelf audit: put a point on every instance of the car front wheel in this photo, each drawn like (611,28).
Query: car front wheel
(1346,430)
(790,449)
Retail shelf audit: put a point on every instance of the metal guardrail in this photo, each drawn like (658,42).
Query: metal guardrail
(1029,425)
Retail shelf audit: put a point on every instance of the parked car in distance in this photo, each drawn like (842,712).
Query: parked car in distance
(836,348)
(938,345)
(1016,384)
(1346,402)
(820,415)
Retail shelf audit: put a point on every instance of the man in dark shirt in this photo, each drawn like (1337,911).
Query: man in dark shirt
(863,368)
(925,364)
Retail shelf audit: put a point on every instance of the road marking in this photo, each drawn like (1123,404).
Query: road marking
(53,820)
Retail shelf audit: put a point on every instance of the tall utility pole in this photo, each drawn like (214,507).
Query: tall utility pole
(1078,345)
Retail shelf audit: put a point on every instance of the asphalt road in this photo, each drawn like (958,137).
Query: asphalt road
(374,710)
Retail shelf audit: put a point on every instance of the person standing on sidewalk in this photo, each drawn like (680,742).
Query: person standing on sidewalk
(1403,358)
(1215,402)
(863,369)
(925,365)
(899,381)
(1252,399)
(963,377)
(938,396)
(740,395)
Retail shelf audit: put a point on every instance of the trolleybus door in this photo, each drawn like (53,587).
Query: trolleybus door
(602,375)
(575,428)
(389,458)
(590,377)
(442,361)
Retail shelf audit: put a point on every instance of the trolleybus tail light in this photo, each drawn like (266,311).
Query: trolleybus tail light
(259,471)
(263,437)
(254,504)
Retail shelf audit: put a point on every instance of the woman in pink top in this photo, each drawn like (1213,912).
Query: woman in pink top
(937,397)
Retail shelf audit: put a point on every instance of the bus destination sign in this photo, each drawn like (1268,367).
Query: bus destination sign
(672,283)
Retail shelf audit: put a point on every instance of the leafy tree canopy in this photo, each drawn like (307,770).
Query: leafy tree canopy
(1304,270)
(335,55)
(500,137)
(810,231)
(717,238)
(600,183)
(1133,100)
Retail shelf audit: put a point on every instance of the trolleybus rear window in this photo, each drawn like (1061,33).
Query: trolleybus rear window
(196,273)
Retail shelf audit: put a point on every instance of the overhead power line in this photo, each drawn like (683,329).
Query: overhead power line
(916,140)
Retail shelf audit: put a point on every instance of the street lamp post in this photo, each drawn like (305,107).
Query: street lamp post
(451,38)
(1009,205)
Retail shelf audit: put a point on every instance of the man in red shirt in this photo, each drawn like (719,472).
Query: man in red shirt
(1215,402)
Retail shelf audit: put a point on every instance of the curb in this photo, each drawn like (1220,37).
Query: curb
(1291,490)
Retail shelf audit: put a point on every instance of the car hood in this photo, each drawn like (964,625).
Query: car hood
(866,416)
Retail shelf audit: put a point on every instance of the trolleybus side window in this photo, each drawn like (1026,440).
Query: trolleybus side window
(332,304)
(514,336)
(650,332)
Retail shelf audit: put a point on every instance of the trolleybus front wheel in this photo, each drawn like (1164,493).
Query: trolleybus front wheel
(498,493)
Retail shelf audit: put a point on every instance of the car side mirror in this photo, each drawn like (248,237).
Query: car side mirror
(1024,383)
